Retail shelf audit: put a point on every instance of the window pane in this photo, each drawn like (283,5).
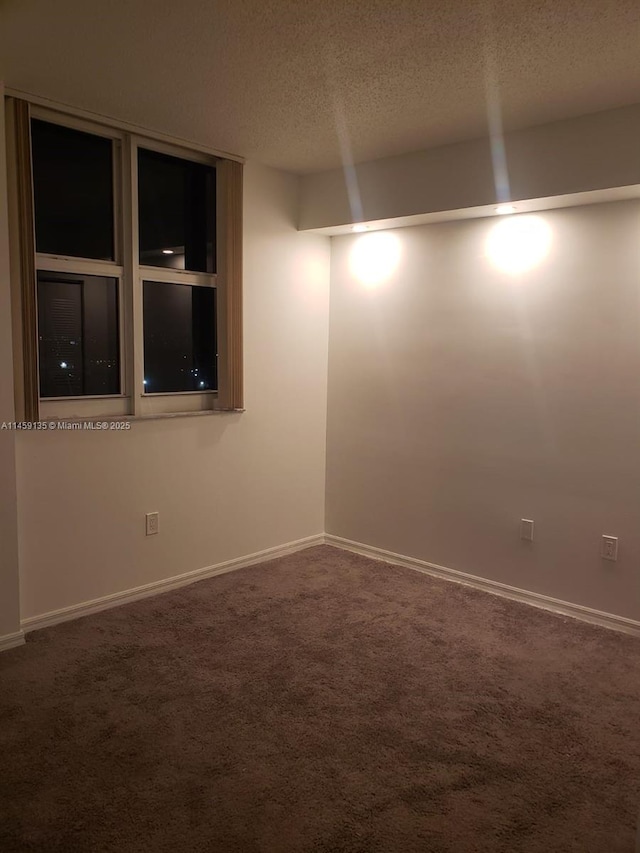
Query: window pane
(177,212)
(180,351)
(73,191)
(78,335)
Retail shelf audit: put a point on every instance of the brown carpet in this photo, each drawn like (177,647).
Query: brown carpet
(320,703)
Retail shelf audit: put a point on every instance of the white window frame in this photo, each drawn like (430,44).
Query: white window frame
(133,401)
(171,402)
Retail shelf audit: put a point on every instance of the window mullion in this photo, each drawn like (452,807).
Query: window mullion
(132,288)
(201,279)
(55,263)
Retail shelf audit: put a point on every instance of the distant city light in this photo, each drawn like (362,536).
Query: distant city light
(202,384)
(144,381)
(63,364)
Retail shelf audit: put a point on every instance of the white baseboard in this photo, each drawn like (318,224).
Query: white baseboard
(565,608)
(75,611)
(10,641)
(555,605)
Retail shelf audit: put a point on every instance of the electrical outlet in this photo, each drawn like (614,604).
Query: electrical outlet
(153,523)
(526,529)
(609,548)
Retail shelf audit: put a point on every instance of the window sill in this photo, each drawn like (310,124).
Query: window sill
(137,418)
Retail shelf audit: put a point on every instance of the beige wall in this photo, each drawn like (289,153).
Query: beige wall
(593,152)
(461,400)
(225,485)
(9,602)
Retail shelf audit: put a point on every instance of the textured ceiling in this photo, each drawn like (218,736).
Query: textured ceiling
(289,82)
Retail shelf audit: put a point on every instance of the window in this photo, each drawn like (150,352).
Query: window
(78,340)
(179,347)
(176,209)
(73,192)
(126,261)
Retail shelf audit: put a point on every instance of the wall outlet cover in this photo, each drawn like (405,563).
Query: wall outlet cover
(609,548)
(152,523)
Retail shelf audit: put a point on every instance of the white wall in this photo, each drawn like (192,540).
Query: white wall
(461,400)
(9,592)
(225,485)
(592,152)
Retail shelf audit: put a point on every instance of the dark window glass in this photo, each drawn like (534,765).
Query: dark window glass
(180,351)
(73,191)
(78,335)
(177,212)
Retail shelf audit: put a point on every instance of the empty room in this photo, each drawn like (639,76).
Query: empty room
(320,426)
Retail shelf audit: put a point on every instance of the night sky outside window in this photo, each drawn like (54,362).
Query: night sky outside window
(73,192)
